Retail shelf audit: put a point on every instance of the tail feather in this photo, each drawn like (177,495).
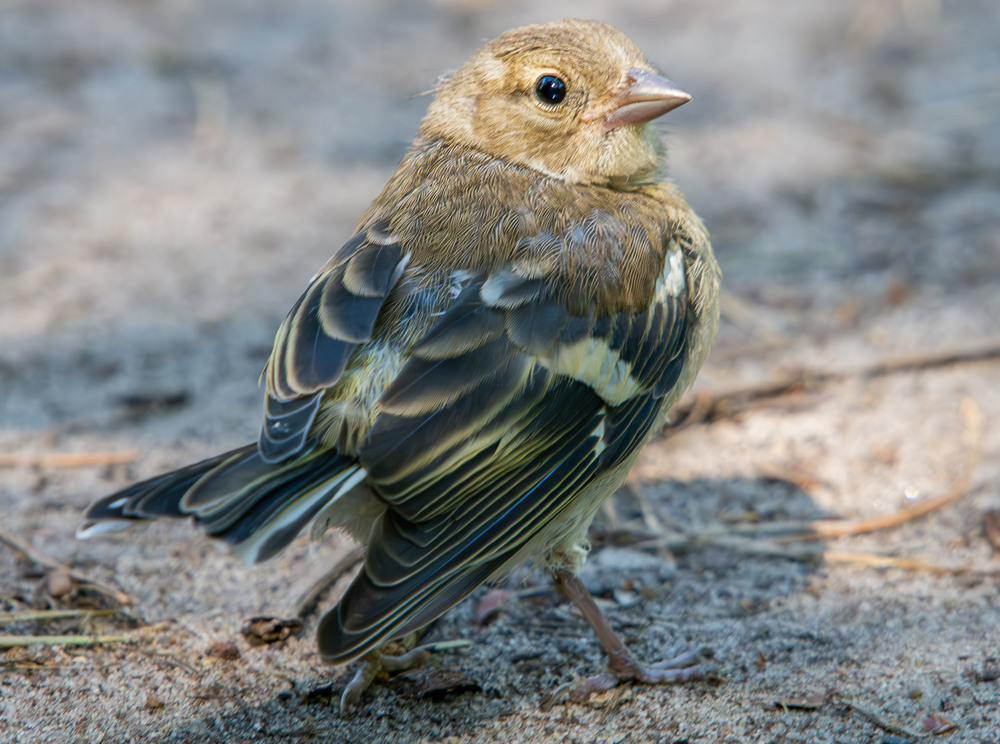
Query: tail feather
(159,496)
(255,506)
(236,472)
(290,500)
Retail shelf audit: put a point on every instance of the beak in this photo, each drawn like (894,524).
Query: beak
(646,97)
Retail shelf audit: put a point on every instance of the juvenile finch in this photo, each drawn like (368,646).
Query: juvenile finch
(475,371)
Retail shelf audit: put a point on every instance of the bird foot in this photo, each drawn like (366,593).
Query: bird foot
(623,667)
(377,664)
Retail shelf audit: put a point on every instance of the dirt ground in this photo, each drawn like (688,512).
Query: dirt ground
(173,172)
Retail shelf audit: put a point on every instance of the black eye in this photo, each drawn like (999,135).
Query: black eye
(550,89)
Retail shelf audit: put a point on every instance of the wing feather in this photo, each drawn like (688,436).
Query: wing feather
(506,410)
(336,314)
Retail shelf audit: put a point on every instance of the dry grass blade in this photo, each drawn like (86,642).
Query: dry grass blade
(172,660)
(873,560)
(46,615)
(826,529)
(12,641)
(746,317)
(66,459)
(444,645)
(737,539)
(715,403)
(728,539)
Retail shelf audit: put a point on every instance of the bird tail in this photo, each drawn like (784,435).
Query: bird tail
(255,506)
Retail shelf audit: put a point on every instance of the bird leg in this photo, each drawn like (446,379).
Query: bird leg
(377,664)
(622,665)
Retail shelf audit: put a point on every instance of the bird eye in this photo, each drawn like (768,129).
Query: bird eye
(550,89)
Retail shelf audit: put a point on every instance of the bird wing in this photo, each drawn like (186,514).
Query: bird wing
(504,412)
(335,315)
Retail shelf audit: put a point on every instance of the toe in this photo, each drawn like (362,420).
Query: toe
(361,681)
(593,685)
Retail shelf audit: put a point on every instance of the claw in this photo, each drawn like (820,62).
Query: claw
(622,665)
(361,681)
(377,664)
(684,667)
(592,685)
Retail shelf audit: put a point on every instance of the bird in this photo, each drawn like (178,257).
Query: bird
(476,369)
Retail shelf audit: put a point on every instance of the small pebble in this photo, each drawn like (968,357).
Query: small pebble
(58,583)
(225,650)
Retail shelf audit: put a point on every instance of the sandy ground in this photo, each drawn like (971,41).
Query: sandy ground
(172,173)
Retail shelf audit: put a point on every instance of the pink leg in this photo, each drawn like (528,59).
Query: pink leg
(376,663)
(622,666)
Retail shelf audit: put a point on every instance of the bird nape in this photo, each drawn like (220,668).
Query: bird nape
(474,372)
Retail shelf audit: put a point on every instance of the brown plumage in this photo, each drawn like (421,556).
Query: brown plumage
(469,377)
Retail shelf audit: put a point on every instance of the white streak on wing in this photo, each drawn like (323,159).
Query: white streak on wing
(92,529)
(322,522)
(619,386)
(400,268)
(598,432)
(249,549)
(672,281)
(590,361)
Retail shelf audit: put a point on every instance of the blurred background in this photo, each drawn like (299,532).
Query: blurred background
(172,173)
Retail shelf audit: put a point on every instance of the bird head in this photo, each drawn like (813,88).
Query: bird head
(570,99)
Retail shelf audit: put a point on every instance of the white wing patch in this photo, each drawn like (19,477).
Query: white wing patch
(593,362)
(673,281)
(599,432)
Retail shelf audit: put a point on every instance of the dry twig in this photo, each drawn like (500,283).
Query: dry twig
(972,418)
(825,529)
(882,723)
(729,400)
(29,555)
(172,660)
(746,539)
(46,615)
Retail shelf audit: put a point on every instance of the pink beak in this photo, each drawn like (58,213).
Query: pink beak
(646,97)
